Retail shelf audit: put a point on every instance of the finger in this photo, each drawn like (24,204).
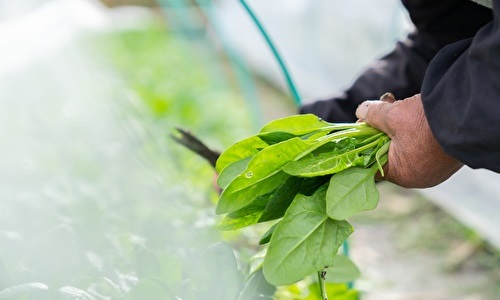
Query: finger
(362,110)
(375,114)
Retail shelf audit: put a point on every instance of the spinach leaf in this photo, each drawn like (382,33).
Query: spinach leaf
(247,215)
(219,265)
(266,237)
(265,207)
(240,150)
(330,159)
(249,147)
(323,164)
(281,199)
(272,138)
(296,124)
(312,174)
(256,261)
(231,171)
(269,161)
(257,288)
(305,241)
(305,124)
(311,184)
(351,191)
(145,288)
(230,200)
(25,291)
(261,173)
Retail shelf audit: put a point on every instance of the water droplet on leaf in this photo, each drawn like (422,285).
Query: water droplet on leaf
(249,174)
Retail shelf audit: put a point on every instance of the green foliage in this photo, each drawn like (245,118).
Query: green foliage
(135,219)
(269,167)
(214,274)
(281,199)
(305,241)
(150,288)
(312,178)
(354,191)
(24,290)
(180,83)
(257,288)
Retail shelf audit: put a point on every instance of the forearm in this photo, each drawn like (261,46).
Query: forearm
(401,72)
(461,97)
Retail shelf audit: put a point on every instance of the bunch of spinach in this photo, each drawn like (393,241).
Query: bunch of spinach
(309,176)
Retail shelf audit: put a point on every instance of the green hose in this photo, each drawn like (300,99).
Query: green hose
(277,56)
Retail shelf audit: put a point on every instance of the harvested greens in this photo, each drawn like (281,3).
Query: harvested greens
(309,176)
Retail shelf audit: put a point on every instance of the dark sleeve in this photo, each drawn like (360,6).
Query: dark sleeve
(401,72)
(461,97)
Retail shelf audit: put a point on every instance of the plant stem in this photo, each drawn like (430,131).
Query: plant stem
(322,286)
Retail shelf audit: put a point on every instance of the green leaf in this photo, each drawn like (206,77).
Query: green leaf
(82,282)
(249,147)
(214,275)
(151,289)
(296,124)
(335,157)
(240,150)
(351,191)
(323,164)
(266,237)
(146,263)
(270,161)
(232,171)
(263,172)
(171,267)
(232,201)
(256,261)
(343,270)
(257,288)
(272,138)
(311,184)
(73,293)
(105,287)
(305,241)
(245,216)
(281,199)
(32,288)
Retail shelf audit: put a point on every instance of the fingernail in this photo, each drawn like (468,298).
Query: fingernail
(388,97)
(362,109)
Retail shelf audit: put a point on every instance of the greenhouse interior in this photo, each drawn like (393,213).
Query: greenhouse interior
(133,133)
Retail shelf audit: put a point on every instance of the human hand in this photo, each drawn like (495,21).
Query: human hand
(416,160)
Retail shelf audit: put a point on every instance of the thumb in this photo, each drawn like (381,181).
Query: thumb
(375,114)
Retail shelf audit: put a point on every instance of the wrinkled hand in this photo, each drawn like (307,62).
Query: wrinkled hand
(416,160)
